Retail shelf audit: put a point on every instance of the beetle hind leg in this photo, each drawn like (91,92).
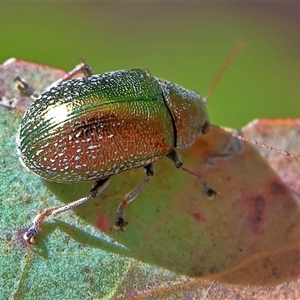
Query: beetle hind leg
(121,223)
(210,192)
(32,232)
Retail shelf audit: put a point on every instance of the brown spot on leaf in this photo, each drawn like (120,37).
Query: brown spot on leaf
(257,215)
(102,223)
(198,217)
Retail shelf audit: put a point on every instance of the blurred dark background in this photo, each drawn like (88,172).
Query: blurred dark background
(183,42)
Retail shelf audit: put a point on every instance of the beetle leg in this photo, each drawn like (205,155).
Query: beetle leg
(83,68)
(27,91)
(173,156)
(32,232)
(121,223)
(210,192)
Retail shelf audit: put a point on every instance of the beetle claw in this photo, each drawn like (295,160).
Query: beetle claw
(30,235)
(120,224)
(211,193)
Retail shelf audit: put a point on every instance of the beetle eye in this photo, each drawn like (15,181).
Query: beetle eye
(205,127)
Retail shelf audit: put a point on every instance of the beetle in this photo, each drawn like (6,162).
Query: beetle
(89,129)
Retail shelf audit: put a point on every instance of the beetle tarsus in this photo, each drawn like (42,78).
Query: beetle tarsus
(87,70)
(30,235)
(210,192)
(120,224)
(25,89)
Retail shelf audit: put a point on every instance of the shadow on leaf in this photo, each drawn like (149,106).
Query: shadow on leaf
(247,235)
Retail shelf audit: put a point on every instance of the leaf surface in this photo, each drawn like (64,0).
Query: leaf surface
(178,243)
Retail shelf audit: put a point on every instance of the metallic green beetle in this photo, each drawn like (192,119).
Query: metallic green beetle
(89,128)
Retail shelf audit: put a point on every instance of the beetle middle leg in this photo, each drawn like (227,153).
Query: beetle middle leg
(83,68)
(32,232)
(121,223)
(173,156)
(28,91)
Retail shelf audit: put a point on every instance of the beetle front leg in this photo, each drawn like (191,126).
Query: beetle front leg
(25,89)
(121,223)
(173,156)
(32,232)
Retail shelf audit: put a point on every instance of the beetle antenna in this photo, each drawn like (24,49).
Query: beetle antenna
(286,153)
(238,47)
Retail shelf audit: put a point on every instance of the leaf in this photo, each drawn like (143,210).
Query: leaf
(244,243)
